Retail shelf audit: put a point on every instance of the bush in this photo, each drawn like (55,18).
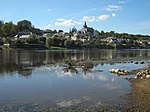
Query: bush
(32,40)
(5,46)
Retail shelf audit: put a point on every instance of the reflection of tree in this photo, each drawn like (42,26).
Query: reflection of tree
(73,65)
(8,68)
(25,71)
(11,59)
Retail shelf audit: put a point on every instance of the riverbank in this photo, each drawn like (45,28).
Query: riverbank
(40,46)
(139,97)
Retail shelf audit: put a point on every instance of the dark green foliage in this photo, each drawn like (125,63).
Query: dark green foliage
(49,42)
(1,41)
(37,31)
(1,32)
(24,25)
(9,29)
(78,43)
(69,44)
(54,42)
(18,42)
(42,40)
(32,40)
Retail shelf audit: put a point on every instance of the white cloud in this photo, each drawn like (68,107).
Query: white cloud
(88,18)
(114,15)
(71,22)
(49,26)
(63,22)
(60,19)
(113,8)
(103,17)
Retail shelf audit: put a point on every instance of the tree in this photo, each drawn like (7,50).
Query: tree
(37,31)
(78,43)
(60,31)
(6,29)
(24,25)
(56,42)
(67,43)
(42,39)
(112,33)
(32,40)
(1,32)
(13,30)
(55,31)
(49,42)
(62,42)
(18,42)
(1,41)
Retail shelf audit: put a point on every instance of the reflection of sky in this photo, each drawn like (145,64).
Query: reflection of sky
(50,85)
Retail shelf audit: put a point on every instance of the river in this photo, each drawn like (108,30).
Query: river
(32,80)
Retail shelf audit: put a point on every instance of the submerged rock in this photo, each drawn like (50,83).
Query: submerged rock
(142,62)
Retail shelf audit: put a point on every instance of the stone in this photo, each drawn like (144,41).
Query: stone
(147,76)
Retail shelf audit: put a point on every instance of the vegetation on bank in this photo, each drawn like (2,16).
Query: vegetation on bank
(9,30)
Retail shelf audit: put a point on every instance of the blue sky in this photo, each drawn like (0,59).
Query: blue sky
(131,16)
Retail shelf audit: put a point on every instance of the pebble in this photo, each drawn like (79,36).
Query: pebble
(147,76)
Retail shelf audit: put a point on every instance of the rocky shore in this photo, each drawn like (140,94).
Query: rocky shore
(139,96)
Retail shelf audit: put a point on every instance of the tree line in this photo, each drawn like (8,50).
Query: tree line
(9,29)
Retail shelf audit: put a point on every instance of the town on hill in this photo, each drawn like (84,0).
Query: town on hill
(24,35)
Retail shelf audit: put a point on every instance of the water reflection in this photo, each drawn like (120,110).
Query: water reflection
(50,84)
(25,61)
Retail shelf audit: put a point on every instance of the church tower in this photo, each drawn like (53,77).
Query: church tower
(85,25)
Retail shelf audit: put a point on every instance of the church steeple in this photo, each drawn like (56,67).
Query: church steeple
(85,25)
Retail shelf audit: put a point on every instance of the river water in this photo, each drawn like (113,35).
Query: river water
(36,77)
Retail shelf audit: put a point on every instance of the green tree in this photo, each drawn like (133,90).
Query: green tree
(32,40)
(78,43)
(14,30)
(42,39)
(62,42)
(18,42)
(24,25)
(1,41)
(37,31)
(67,43)
(7,29)
(56,42)
(49,42)
(1,32)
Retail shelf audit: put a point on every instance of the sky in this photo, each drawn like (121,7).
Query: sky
(122,16)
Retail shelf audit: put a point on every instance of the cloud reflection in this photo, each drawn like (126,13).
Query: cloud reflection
(103,78)
(68,103)
(112,86)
